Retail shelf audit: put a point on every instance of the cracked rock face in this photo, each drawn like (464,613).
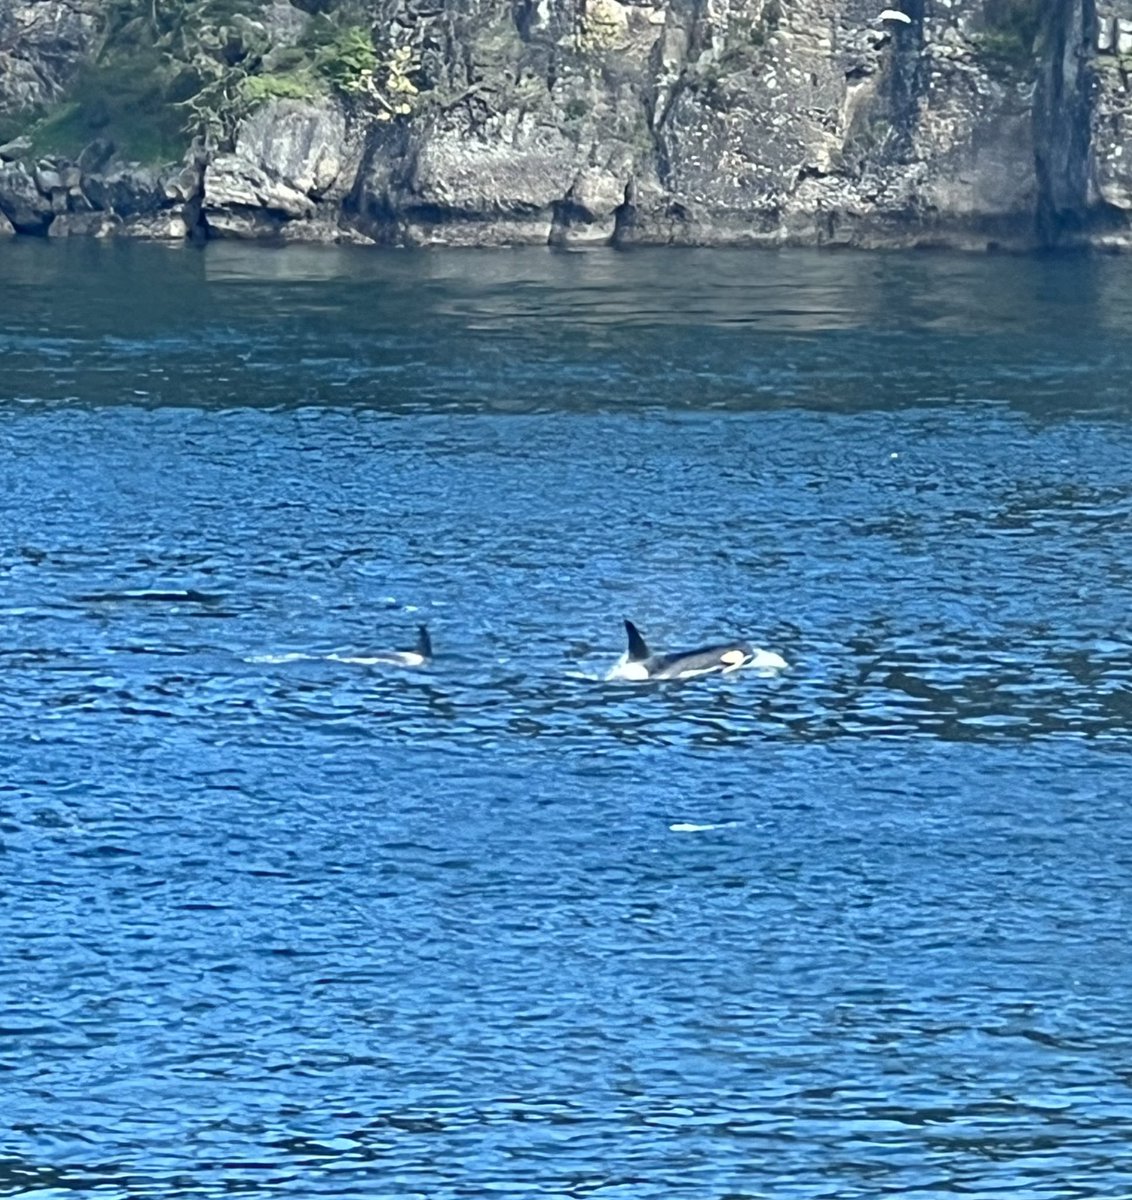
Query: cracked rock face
(293,161)
(42,45)
(658,121)
(60,199)
(705,121)
(1107,187)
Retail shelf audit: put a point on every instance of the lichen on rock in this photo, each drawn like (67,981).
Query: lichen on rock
(602,25)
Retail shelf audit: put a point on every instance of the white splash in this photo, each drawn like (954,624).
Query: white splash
(281,658)
(694,827)
(765,660)
(630,672)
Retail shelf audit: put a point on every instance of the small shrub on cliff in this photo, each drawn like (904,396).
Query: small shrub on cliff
(298,86)
(348,60)
(353,66)
(169,71)
(195,57)
(127,104)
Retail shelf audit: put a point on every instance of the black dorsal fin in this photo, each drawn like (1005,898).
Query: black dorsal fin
(424,642)
(638,650)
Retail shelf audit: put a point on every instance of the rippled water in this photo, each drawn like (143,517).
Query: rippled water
(278,923)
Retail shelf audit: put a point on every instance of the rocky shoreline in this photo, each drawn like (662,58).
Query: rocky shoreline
(688,122)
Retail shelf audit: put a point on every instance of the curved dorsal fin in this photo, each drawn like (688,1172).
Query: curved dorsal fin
(638,650)
(424,642)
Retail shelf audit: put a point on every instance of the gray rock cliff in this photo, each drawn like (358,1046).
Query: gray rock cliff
(971,123)
(43,43)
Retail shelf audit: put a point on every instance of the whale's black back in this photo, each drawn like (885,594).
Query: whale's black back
(698,661)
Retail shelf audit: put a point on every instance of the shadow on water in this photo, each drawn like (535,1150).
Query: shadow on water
(537,331)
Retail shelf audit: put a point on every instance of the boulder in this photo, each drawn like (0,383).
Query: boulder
(291,159)
(1123,36)
(16,148)
(183,183)
(83,224)
(21,201)
(499,183)
(234,183)
(244,223)
(284,23)
(47,178)
(77,200)
(168,225)
(95,155)
(128,191)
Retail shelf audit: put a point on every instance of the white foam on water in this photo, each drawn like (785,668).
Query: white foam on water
(694,827)
(766,661)
(379,660)
(624,671)
(281,658)
(360,660)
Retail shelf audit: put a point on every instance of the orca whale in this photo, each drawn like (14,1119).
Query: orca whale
(420,657)
(639,663)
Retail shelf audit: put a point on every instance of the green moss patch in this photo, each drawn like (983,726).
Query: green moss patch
(1008,42)
(169,71)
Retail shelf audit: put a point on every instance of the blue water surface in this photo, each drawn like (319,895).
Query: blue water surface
(276,922)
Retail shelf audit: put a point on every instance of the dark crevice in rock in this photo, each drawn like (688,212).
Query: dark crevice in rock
(570,219)
(524,14)
(1063,118)
(438,215)
(904,78)
(625,216)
